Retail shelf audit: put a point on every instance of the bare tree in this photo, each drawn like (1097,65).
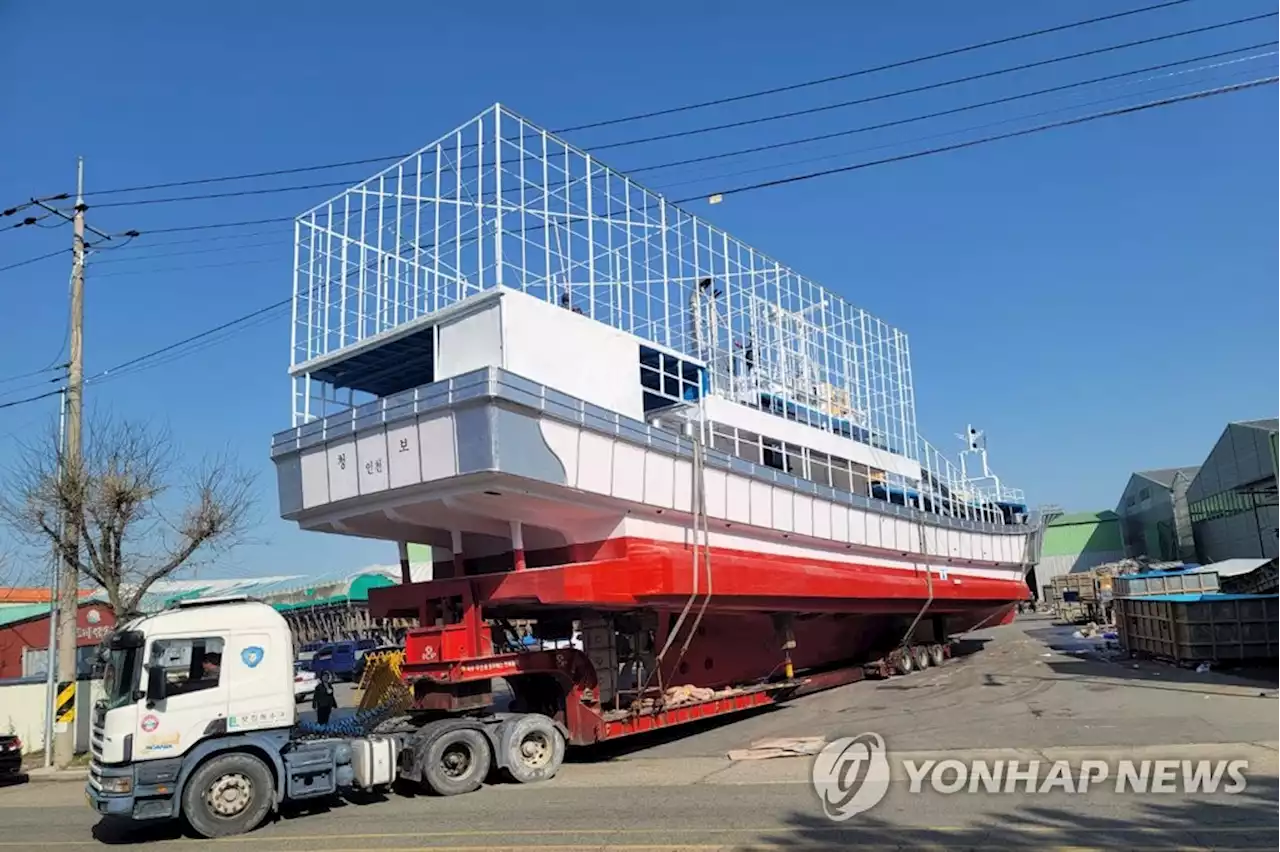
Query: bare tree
(142,519)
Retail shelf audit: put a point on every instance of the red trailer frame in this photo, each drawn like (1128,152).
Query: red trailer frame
(449,668)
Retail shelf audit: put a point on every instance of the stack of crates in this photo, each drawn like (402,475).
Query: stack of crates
(1200,627)
(1078,596)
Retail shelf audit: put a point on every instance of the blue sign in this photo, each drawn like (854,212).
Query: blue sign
(252,656)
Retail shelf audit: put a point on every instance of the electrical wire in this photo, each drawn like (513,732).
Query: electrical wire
(914,155)
(25,400)
(1026,66)
(679,109)
(969,129)
(668,185)
(903,63)
(31,260)
(787,143)
(798,113)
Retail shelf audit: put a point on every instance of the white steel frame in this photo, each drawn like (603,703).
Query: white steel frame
(501,201)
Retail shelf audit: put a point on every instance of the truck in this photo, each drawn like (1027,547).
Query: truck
(198,719)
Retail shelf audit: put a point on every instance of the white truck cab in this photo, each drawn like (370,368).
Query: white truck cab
(198,719)
(174,678)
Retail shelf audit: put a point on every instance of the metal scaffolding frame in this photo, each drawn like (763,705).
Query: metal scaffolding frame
(502,202)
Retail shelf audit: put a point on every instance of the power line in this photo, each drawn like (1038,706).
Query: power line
(31,260)
(213,226)
(903,63)
(662,186)
(680,134)
(248,176)
(787,143)
(984,140)
(672,110)
(33,373)
(240,320)
(28,399)
(776,116)
(969,129)
(800,113)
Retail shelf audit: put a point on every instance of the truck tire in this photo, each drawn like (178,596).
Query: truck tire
(937,655)
(921,655)
(230,794)
(534,748)
(902,662)
(456,762)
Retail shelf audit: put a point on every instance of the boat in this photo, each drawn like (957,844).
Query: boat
(607,411)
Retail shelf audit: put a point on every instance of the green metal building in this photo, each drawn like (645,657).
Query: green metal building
(1077,542)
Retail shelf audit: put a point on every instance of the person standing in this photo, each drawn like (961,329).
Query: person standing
(323,701)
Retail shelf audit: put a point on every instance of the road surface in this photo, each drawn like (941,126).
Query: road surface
(1026,695)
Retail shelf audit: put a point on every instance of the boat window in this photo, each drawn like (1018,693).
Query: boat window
(773,456)
(795,460)
(819,468)
(668,380)
(840,475)
(722,438)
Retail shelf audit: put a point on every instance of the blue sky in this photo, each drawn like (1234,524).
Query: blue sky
(1100,298)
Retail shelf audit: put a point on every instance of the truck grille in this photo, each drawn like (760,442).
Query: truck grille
(95,775)
(96,739)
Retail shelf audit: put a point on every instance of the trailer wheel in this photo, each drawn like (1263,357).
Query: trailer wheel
(937,655)
(902,662)
(457,762)
(228,795)
(533,748)
(921,656)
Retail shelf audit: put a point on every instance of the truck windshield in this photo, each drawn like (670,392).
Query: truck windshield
(119,676)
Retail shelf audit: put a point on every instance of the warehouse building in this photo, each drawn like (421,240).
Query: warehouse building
(1232,500)
(1077,542)
(1155,520)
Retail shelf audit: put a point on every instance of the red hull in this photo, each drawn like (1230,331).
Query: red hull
(843,611)
(628,573)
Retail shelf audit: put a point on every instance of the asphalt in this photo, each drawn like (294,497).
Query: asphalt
(1031,693)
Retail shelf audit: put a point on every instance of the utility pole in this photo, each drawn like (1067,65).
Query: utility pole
(72,477)
(71,485)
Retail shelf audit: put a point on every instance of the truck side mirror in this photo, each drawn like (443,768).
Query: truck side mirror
(155,685)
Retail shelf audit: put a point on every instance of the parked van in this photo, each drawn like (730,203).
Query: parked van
(340,658)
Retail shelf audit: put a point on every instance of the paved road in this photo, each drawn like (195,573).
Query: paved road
(683,794)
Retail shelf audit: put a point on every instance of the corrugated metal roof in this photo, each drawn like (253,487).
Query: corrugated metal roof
(19,613)
(32,594)
(22,612)
(1236,567)
(1270,424)
(1164,475)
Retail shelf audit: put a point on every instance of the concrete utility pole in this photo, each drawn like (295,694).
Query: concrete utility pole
(71,472)
(72,476)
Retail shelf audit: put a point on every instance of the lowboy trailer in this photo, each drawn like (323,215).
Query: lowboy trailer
(199,720)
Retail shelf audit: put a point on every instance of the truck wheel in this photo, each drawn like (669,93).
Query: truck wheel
(937,655)
(921,655)
(229,794)
(534,748)
(902,662)
(457,762)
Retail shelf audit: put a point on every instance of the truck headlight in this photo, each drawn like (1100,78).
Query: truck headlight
(117,784)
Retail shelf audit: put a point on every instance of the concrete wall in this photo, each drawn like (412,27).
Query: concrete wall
(22,706)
